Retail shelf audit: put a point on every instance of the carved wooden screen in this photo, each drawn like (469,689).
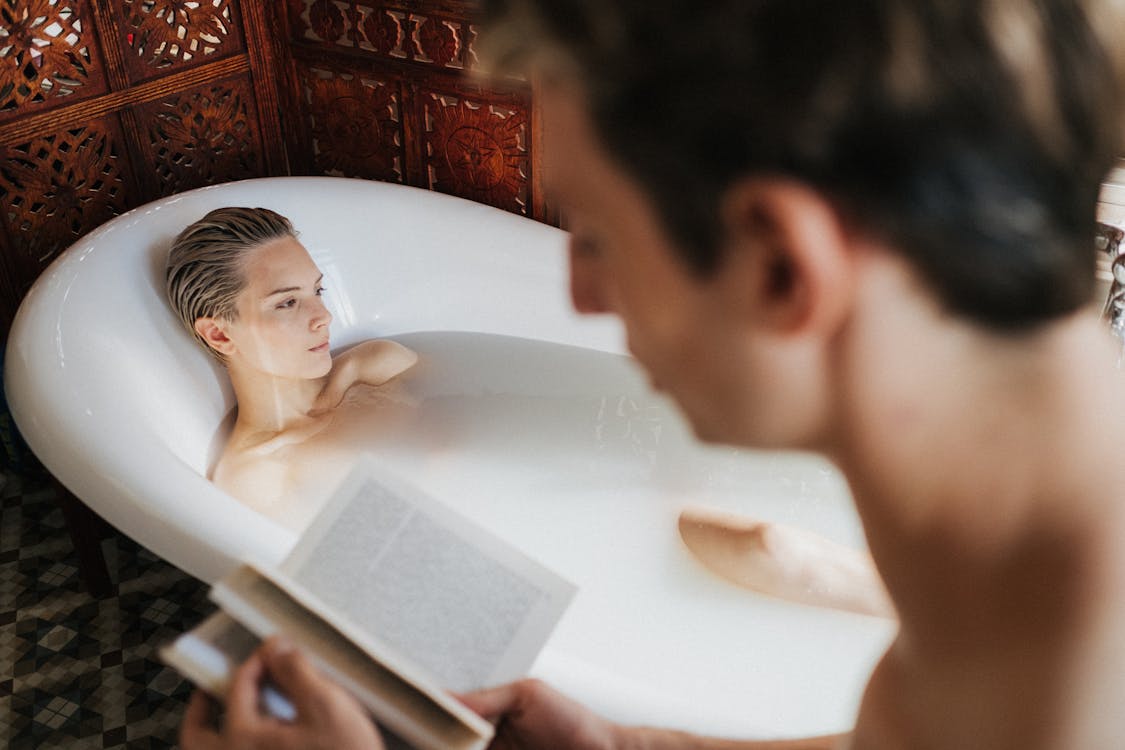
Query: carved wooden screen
(107,104)
(384,90)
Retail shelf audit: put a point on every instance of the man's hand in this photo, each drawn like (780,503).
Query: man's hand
(327,717)
(535,717)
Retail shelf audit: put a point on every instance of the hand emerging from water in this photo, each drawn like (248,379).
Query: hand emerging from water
(327,717)
(786,562)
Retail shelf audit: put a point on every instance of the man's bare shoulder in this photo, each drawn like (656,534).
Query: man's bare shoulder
(1019,648)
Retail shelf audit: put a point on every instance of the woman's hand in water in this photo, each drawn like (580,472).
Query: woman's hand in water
(533,716)
(327,717)
(371,362)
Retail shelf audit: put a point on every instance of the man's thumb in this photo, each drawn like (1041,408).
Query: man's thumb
(293,673)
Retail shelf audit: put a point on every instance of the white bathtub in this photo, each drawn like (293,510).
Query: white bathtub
(559,449)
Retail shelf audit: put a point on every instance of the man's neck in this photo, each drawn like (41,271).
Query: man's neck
(949,431)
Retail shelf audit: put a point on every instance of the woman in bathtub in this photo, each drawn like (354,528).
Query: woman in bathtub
(248,291)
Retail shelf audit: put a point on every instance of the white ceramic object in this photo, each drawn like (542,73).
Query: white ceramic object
(123,407)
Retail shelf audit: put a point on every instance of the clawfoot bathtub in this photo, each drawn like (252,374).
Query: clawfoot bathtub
(547,435)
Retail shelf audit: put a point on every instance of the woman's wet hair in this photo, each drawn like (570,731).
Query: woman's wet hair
(971,136)
(205,271)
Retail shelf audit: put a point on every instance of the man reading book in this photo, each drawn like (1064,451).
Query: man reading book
(864,229)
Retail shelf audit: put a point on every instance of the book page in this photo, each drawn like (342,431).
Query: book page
(462,604)
(419,714)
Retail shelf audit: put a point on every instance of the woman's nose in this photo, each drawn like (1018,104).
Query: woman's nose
(320,317)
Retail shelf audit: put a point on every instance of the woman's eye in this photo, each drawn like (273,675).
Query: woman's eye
(319,291)
(287,304)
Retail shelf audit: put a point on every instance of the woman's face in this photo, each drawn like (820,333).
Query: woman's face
(282,325)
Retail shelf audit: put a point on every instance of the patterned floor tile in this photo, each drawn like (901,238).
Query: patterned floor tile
(77,672)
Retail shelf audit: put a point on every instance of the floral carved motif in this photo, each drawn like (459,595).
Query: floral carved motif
(383,33)
(388,29)
(45,52)
(165,33)
(436,41)
(326,20)
(356,126)
(60,186)
(477,151)
(204,136)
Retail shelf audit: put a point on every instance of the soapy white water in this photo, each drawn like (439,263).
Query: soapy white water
(566,453)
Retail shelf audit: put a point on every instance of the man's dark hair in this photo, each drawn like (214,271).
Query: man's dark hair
(971,136)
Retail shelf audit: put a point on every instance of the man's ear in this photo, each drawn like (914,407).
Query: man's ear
(789,252)
(213,331)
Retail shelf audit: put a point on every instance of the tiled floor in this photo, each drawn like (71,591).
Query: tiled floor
(77,672)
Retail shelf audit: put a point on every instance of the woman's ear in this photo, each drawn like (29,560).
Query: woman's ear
(787,246)
(213,331)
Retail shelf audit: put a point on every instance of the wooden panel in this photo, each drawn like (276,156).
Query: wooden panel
(355,123)
(268,52)
(163,36)
(48,56)
(475,149)
(58,186)
(435,34)
(387,93)
(202,136)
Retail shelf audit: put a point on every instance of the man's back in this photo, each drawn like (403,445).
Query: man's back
(1006,559)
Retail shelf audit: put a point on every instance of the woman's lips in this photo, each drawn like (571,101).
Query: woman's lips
(322,348)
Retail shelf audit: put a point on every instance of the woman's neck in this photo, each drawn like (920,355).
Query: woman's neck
(271,404)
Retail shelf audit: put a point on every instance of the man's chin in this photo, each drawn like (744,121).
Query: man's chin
(706,433)
(704,430)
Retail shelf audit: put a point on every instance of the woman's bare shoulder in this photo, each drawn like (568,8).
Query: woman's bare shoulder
(372,362)
(377,360)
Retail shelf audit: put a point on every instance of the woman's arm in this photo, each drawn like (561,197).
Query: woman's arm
(371,363)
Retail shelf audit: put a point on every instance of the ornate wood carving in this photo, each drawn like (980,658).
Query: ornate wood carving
(57,187)
(476,150)
(161,35)
(47,53)
(203,136)
(453,135)
(355,124)
(401,31)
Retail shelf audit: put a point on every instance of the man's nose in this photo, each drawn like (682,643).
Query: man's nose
(587,282)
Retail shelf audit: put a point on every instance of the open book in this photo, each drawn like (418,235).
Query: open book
(399,599)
